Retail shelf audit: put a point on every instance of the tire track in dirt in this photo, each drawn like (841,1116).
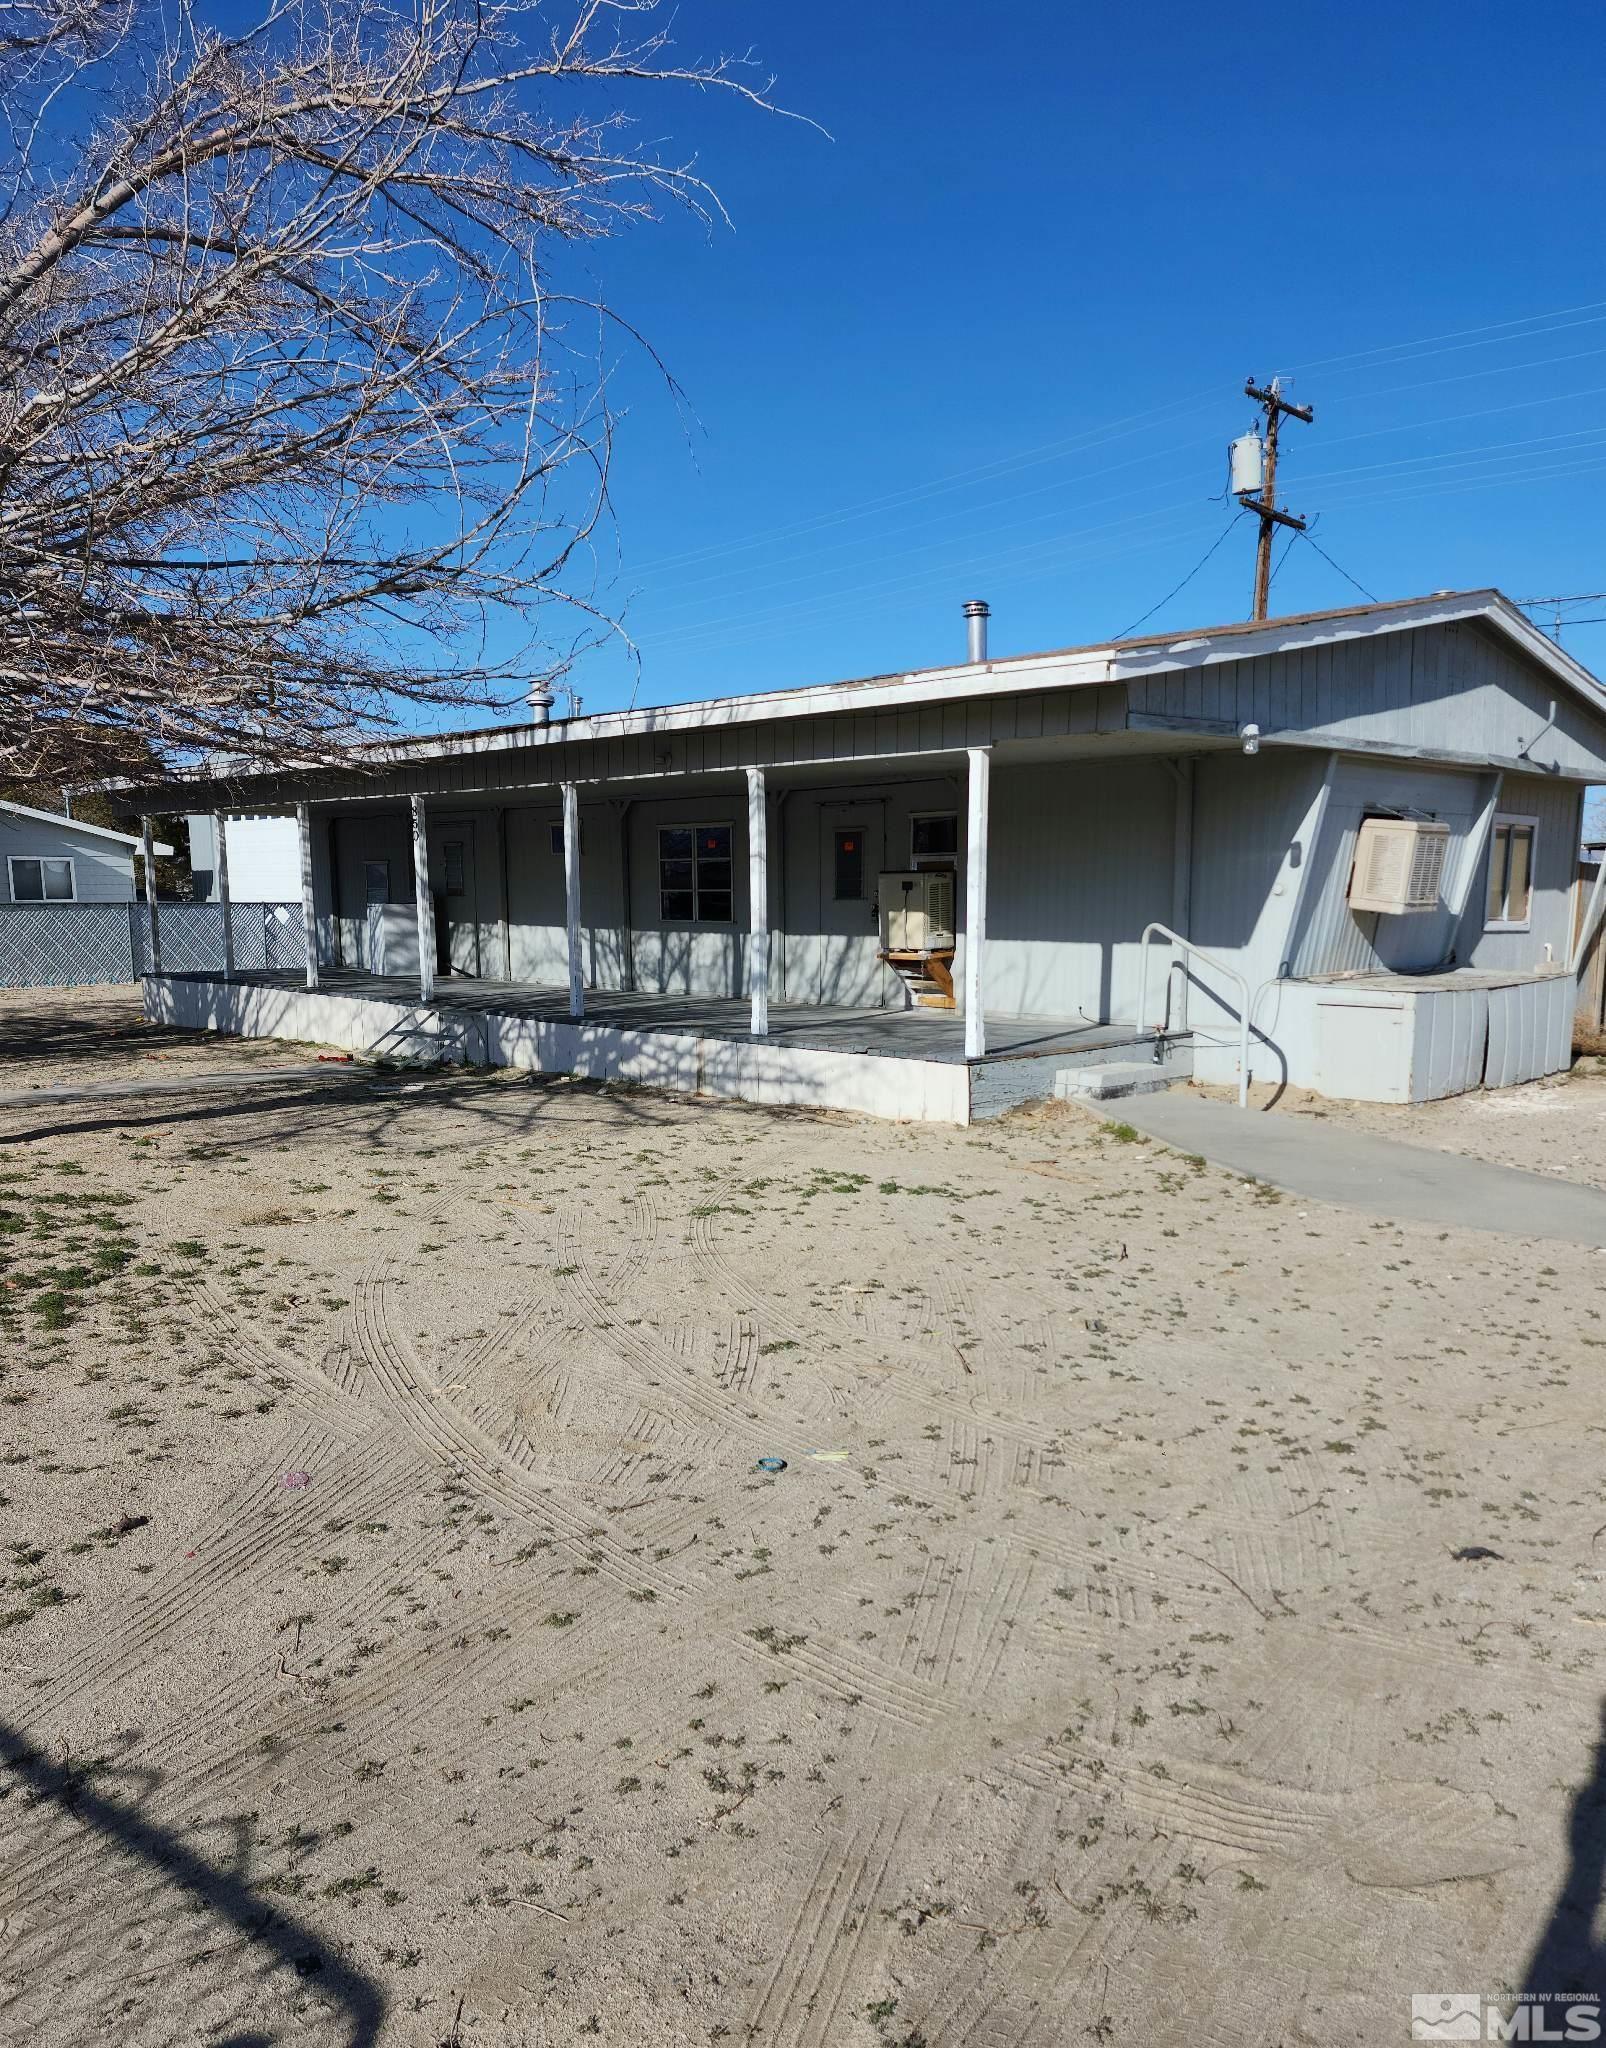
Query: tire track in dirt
(176,1802)
(831,1932)
(448,1438)
(1206,1802)
(737,1373)
(241,1539)
(310,1388)
(925,1399)
(243,1692)
(853,1678)
(660,1367)
(963,1628)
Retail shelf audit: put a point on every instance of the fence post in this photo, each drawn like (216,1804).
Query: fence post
(147,846)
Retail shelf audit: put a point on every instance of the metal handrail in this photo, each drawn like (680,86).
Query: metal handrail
(1220,967)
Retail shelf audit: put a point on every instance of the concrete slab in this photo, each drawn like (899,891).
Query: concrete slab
(1113,1080)
(1407,1183)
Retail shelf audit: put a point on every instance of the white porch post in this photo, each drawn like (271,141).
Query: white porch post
(309,915)
(758,903)
(220,833)
(425,902)
(147,847)
(571,897)
(981,760)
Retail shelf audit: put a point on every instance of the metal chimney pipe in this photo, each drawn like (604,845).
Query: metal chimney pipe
(977,613)
(540,700)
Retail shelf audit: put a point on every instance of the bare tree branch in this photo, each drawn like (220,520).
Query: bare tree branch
(295,398)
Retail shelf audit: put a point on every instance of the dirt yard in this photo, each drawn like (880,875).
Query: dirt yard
(402,1642)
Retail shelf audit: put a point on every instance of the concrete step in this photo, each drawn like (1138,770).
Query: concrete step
(1113,1079)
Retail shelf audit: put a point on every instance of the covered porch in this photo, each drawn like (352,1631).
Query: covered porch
(910,1064)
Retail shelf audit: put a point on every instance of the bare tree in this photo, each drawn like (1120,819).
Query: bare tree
(296,389)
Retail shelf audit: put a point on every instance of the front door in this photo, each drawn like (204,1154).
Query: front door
(452,884)
(852,853)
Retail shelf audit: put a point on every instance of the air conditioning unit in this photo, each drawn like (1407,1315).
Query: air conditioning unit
(917,910)
(1399,865)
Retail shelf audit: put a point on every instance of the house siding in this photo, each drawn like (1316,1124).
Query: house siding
(103,871)
(1446,688)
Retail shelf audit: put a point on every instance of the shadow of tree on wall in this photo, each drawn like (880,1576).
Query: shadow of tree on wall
(198,1904)
(1570,1955)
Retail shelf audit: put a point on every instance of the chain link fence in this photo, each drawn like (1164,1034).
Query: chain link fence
(69,945)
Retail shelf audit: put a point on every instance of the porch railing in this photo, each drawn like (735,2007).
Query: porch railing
(1193,952)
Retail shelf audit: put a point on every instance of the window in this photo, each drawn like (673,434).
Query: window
(1511,873)
(694,874)
(42,881)
(934,839)
(557,837)
(849,867)
(452,863)
(376,881)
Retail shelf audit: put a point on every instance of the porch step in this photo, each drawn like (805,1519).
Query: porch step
(927,976)
(1113,1079)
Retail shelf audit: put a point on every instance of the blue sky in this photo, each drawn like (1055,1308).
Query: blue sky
(990,338)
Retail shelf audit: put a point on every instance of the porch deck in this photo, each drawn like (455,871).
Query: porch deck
(899,1063)
(816,1027)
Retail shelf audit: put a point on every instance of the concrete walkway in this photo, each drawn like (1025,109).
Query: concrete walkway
(1408,1183)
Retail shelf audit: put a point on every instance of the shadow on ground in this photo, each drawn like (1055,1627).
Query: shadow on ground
(273,1939)
(1570,1955)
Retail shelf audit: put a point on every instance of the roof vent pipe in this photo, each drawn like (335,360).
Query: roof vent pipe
(540,700)
(977,613)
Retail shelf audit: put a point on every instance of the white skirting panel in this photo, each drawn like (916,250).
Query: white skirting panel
(919,1091)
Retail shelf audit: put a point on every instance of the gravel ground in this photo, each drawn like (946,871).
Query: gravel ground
(402,1642)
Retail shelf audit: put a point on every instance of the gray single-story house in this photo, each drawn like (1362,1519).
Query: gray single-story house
(46,857)
(1338,849)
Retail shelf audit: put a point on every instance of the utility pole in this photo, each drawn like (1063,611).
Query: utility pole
(1271,516)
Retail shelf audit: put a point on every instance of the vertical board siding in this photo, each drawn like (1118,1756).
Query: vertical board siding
(1248,855)
(1452,688)
(1081,861)
(1338,940)
(103,871)
(1530,1031)
(1557,806)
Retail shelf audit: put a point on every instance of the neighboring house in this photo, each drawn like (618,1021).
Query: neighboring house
(264,858)
(48,858)
(1350,836)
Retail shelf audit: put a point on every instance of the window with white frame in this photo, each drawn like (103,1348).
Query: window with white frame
(934,839)
(1512,846)
(694,874)
(41,881)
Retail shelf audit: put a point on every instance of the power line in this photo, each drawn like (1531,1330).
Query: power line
(1288,549)
(1122,428)
(1370,595)
(1556,313)
(1209,551)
